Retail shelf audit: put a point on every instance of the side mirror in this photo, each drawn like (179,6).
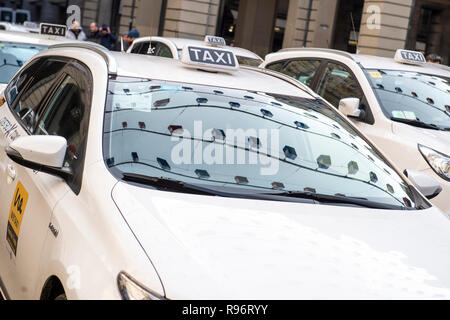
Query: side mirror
(40,153)
(426,184)
(350,107)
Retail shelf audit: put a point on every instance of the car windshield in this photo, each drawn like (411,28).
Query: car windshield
(248,141)
(413,96)
(13,56)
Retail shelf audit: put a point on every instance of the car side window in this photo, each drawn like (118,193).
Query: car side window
(277,66)
(136,48)
(29,89)
(67,115)
(162,50)
(338,83)
(302,70)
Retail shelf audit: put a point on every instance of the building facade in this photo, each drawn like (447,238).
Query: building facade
(376,27)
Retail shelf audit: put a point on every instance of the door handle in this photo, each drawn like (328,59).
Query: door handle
(11,172)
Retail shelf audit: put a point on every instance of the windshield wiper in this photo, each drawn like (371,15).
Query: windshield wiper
(167,184)
(337,199)
(417,123)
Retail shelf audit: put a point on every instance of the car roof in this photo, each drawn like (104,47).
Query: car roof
(365,61)
(181,42)
(31,38)
(374,62)
(160,68)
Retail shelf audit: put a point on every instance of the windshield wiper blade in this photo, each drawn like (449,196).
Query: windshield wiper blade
(162,183)
(417,123)
(337,199)
(167,184)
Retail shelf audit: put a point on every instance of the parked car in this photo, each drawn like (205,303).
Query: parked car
(134,177)
(172,48)
(16,48)
(402,104)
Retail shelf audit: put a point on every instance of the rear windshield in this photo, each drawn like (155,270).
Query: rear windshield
(13,56)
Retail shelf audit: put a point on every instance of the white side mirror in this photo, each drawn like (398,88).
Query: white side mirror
(48,151)
(350,107)
(426,184)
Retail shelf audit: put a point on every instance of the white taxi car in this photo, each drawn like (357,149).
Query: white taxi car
(173,47)
(16,48)
(402,104)
(135,177)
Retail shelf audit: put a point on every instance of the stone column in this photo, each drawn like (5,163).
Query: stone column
(297,25)
(384,26)
(254,27)
(191,19)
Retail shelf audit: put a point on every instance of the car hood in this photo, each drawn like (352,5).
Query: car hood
(2,87)
(221,248)
(434,139)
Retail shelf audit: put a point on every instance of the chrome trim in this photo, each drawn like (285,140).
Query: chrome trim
(102,51)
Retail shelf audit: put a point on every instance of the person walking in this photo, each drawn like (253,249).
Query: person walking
(76,32)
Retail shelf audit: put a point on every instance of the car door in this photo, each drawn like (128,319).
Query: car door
(27,196)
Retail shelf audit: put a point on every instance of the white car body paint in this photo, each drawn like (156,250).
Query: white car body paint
(397,140)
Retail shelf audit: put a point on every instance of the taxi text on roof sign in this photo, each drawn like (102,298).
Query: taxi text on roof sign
(52,29)
(407,56)
(210,58)
(215,41)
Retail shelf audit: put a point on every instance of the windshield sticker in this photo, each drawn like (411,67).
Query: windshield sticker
(410,115)
(398,114)
(18,205)
(376,75)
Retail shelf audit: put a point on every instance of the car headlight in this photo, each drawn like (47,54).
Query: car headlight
(130,289)
(439,162)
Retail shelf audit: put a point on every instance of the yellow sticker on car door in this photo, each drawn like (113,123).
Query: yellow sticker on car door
(18,205)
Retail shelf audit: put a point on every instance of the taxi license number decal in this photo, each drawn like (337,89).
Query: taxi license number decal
(18,205)
(376,75)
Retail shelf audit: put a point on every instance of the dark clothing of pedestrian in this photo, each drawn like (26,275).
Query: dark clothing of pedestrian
(108,41)
(95,37)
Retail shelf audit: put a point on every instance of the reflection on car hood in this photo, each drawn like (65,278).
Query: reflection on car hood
(434,139)
(221,248)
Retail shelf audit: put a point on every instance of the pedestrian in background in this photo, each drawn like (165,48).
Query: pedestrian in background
(76,32)
(434,58)
(132,35)
(94,34)
(107,39)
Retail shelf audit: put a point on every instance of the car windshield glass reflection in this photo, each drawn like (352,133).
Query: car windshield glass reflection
(246,140)
(413,97)
(12,58)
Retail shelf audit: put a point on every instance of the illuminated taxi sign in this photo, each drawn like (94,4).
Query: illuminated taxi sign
(411,57)
(49,29)
(215,41)
(210,58)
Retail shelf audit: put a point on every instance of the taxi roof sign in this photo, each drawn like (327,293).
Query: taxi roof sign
(215,41)
(55,30)
(410,57)
(210,59)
